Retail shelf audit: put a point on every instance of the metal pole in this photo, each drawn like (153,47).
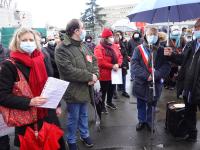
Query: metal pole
(168,34)
(152,89)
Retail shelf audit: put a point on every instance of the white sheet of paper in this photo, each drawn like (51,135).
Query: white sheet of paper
(4,129)
(116,76)
(54,90)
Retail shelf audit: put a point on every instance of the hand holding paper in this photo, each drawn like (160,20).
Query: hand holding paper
(116,76)
(53,91)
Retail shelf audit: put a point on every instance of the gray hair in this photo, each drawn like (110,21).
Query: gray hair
(153,29)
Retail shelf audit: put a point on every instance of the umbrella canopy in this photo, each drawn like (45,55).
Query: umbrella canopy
(47,139)
(124,25)
(155,11)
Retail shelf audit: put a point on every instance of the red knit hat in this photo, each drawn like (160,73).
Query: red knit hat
(106,33)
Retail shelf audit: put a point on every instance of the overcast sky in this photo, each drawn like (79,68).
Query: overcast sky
(59,12)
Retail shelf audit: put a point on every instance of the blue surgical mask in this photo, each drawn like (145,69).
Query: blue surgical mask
(152,39)
(28,47)
(196,35)
(83,34)
(174,37)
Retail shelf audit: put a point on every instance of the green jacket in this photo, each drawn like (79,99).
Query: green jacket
(76,64)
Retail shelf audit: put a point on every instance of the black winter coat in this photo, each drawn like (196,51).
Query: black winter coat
(132,44)
(123,50)
(51,52)
(182,59)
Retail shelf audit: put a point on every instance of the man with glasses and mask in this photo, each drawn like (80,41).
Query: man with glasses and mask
(141,71)
(77,65)
(189,81)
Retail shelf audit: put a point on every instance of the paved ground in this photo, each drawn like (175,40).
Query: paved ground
(118,128)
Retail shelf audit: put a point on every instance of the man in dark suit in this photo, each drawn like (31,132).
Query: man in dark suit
(189,81)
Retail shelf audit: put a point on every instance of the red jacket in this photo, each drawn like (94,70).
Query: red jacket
(105,62)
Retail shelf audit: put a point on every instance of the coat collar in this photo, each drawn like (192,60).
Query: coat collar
(69,41)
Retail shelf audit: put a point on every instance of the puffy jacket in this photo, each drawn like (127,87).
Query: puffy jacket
(76,64)
(105,62)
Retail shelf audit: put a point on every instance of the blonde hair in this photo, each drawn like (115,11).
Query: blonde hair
(162,36)
(15,42)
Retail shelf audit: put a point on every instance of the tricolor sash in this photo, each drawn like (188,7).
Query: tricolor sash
(146,57)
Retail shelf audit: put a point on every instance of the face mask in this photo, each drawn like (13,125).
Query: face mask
(152,39)
(83,34)
(111,40)
(174,37)
(176,32)
(189,38)
(52,43)
(28,47)
(88,40)
(196,35)
(136,36)
(43,40)
(183,33)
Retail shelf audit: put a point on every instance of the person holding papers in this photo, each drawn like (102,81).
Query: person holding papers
(77,65)
(109,58)
(26,64)
(141,71)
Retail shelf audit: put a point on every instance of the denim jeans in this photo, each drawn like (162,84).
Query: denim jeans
(122,87)
(144,111)
(77,118)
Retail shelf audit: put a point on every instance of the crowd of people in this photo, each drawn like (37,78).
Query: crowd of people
(72,56)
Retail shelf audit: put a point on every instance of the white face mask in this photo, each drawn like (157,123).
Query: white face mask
(52,42)
(111,40)
(83,34)
(88,40)
(136,35)
(28,47)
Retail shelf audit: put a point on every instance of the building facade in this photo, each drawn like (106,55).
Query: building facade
(14,18)
(115,13)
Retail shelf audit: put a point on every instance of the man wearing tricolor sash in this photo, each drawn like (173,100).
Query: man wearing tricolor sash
(142,72)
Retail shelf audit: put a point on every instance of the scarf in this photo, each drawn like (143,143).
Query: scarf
(110,52)
(146,57)
(38,75)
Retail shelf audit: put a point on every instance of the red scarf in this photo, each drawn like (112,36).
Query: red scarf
(38,75)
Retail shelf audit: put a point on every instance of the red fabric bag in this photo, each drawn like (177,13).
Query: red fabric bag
(17,117)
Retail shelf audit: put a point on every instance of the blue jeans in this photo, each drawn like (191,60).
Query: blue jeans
(144,111)
(77,118)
